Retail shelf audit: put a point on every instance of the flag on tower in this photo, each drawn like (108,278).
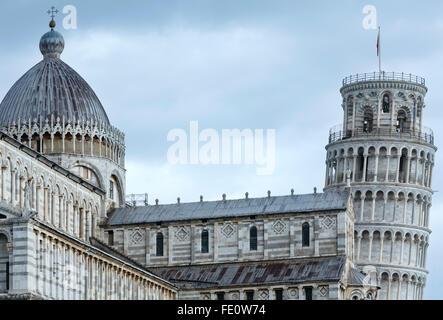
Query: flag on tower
(378,50)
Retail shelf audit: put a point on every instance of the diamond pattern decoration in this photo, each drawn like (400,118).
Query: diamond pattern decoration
(324,291)
(328,223)
(182,234)
(263,295)
(228,230)
(136,236)
(279,227)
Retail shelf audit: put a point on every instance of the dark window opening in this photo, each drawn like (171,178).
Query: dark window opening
(278,294)
(249,295)
(253,239)
(111,238)
(401,121)
(220,296)
(386,104)
(159,245)
(305,234)
(402,169)
(308,293)
(205,241)
(2,216)
(367,121)
(361,162)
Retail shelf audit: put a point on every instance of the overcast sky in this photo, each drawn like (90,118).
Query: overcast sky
(157,65)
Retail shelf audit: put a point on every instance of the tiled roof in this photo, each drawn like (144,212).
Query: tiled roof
(254,273)
(328,201)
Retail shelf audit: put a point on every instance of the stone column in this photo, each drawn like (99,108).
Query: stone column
(75,220)
(374,196)
(408,168)
(376,166)
(13,173)
(382,238)
(53,213)
(358,247)
(365,165)
(388,157)
(354,168)
(363,197)
(345,168)
(46,203)
(21,195)
(403,238)
(82,224)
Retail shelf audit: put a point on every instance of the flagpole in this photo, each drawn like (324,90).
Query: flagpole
(379,50)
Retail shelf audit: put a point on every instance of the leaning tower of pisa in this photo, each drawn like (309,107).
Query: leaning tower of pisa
(389,155)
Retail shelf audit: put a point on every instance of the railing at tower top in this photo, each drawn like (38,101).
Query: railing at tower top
(338,134)
(383,76)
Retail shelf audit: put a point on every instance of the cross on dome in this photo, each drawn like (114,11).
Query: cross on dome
(52,12)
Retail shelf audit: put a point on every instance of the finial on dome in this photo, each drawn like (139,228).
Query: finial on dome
(52,42)
(52,12)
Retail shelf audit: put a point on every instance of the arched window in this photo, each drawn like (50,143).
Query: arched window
(367,120)
(253,239)
(386,103)
(403,166)
(401,121)
(305,235)
(205,241)
(159,245)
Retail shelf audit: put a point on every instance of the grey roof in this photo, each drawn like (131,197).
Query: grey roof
(254,273)
(356,277)
(51,87)
(331,200)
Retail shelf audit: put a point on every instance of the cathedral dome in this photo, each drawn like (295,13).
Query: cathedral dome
(51,89)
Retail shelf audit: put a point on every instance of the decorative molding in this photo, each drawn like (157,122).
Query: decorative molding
(228,230)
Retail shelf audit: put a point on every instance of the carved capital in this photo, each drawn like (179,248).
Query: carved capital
(9,246)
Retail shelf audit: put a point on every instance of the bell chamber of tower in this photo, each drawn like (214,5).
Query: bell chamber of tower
(387,155)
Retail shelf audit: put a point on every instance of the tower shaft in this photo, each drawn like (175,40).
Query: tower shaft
(390,157)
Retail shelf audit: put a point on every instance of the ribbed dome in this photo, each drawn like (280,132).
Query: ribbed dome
(51,88)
